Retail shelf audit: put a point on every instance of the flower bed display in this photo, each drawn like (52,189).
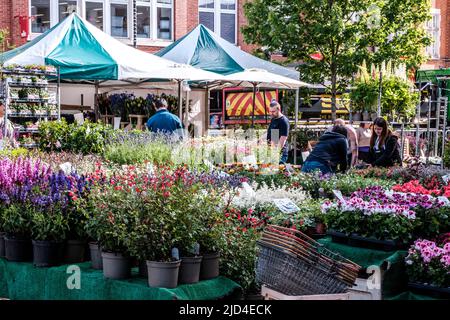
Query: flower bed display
(428,266)
(386,215)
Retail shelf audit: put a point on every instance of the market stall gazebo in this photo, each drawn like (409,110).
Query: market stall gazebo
(82,52)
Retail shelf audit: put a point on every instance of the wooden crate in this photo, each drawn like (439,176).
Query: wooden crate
(270,294)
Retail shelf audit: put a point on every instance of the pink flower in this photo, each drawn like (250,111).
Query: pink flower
(445,260)
(447,247)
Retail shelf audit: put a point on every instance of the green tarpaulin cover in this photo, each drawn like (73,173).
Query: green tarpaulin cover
(23,281)
(395,279)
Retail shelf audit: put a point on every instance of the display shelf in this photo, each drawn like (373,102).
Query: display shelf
(24,72)
(31,85)
(28,145)
(31,115)
(28,130)
(19,100)
(19,83)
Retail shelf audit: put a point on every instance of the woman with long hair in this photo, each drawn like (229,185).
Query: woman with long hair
(384,148)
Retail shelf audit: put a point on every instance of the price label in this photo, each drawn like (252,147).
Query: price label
(150,169)
(66,167)
(339,195)
(208,164)
(446,178)
(251,159)
(79,118)
(286,205)
(175,254)
(248,189)
(444,200)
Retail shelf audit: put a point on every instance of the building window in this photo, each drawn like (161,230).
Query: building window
(65,8)
(219,16)
(143,21)
(119,17)
(164,19)
(40,10)
(433,29)
(94,13)
(154,17)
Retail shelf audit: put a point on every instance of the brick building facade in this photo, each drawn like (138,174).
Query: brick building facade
(115,17)
(439,28)
(225,17)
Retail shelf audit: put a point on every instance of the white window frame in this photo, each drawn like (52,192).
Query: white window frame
(54,11)
(435,34)
(153,40)
(147,4)
(155,20)
(31,34)
(129,5)
(217,18)
(152,4)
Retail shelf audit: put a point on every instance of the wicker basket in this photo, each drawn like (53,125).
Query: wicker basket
(294,264)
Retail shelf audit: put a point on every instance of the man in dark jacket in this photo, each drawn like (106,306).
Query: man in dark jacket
(329,153)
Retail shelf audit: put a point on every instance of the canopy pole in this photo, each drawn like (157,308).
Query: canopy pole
(265,105)
(96,101)
(253,107)
(186,113)
(180,107)
(297,95)
(59,94)
(206,123)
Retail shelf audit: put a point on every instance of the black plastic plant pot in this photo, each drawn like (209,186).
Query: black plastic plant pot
(190,270)
(210,266)
(96,256)
(338,237)
(355,240)
(74,251)
(116,265)
(2,245)
(18,248)
(142,269)
(429,290)
(46,253)
(163,274)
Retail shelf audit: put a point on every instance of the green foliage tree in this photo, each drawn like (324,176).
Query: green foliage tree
(344,33)
(3,35)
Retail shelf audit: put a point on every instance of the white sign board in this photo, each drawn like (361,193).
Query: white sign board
(286,205)
(446,178)
(66,167)
(79,118)
(117,122)
(251,159)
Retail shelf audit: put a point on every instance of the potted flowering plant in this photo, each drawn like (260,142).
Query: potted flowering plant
(113,205)
(49,223)
(386,215)
(428,266)
(19,179)
(77,217)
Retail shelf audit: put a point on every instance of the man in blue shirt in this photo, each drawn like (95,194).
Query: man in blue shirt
(278,131)
(163,121)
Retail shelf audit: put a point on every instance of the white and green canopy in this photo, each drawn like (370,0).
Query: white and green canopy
(84,52)
(205,50)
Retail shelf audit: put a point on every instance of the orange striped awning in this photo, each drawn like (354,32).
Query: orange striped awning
(241,103)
